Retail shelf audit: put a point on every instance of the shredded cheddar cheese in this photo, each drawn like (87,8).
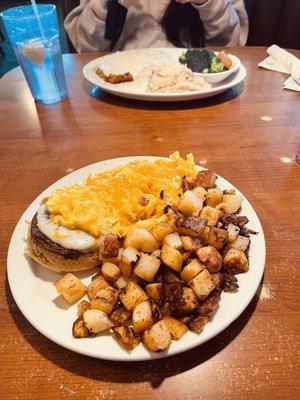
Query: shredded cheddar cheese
(110,201)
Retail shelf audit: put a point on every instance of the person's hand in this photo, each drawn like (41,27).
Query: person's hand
(193,1)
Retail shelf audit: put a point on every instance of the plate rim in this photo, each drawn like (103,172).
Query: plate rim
(129,357)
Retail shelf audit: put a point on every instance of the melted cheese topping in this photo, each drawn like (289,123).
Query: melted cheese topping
(110,202)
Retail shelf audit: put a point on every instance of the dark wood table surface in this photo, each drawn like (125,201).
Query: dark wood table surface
(249,136)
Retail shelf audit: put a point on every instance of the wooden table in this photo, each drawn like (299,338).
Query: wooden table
(248,136)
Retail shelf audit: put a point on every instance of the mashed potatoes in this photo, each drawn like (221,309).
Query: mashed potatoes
(112,201)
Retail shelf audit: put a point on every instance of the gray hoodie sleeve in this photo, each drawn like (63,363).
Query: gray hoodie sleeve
(225,22)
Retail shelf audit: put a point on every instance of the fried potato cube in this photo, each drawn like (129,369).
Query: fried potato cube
(131,254)
(119,316)
(233,232)
(105,300)
(144,315)
(147,267)
(214,197)
(218,280)
(190,243)
(241,243)
(79,329)
(158,337)
(211,258)
(233,200)
(126,337)
(211,214)
(177,328)
(206,179)
(155,291)
(235,261)
(82,307)
(121,282)
(197,324)
(70,288)
(191,270)
(173,240)
(190,204)
(181,299)
(172,258)
(141,239)
(110,271)
(161,230)
(202,284)
(201,193)
(132,295)
(126,267)
(98,282)
(210,304)
(217,238)
(96,321)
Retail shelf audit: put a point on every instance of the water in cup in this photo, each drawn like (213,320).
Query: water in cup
(41,62)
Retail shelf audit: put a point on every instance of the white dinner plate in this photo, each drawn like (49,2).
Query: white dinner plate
(32,285)
(124,90)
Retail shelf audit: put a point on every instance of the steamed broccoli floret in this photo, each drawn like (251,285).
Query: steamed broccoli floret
(217,65)
(197,60)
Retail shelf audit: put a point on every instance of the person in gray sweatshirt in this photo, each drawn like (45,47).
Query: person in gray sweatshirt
(93,25)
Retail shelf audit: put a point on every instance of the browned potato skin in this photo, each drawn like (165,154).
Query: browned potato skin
(131,295)
(119,316)
(177,328)
(209,306)
(197,324)
(161,230)
(83,306)
(216,237)
(156,292)
(126,337)
(211,258)
(79,330)
(191,243)
(206,179)
(105,300)
(235,262)
(182,299)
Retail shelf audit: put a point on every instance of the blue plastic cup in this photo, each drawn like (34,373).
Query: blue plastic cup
(36,44)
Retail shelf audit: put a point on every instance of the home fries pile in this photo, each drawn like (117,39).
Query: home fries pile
(168,241)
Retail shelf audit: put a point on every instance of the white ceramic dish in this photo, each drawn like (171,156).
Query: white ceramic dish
(122,90)
(218,77)
(33,290)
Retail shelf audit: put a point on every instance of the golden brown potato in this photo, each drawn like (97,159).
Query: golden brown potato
(126,267)
(177,328)
(161,230)
(211,258)
(158,337)
(147,267)
(132,295)
(144,315)
(79,330)
(141,239)
(214,197)
(202,284)
(189,203)
(197,324)
(119,316)
(130,254)
(217,238)
(173,240)
(235,261)
(110,271)
(96,321)
(206,179)
(126,337)
(201,193)
(82,307)
(98,282)
(70,288)
(105,300)
(211,214)
(233,200)
(172,258)
(121,282)
(190,243)
(191,270)
(155,291)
